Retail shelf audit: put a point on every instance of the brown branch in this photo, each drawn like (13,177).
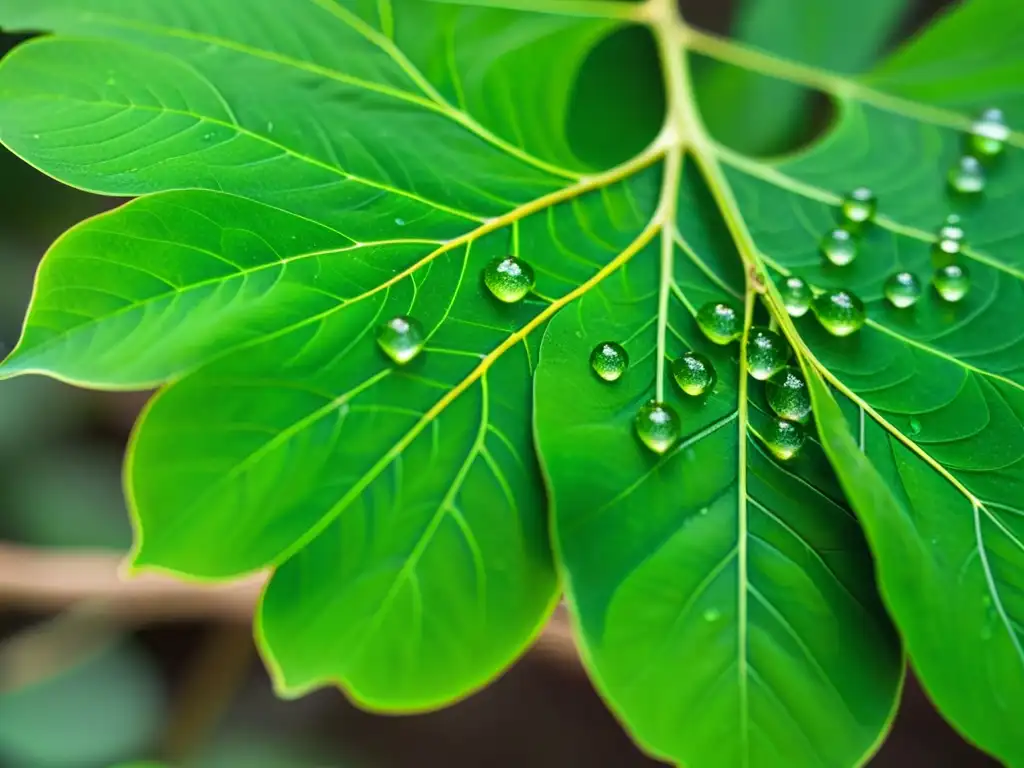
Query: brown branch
(34,579)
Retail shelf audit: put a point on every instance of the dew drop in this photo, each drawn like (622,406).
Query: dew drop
(914,427)
(796,295)
(657,426)
(952,282)
(787,394)
(949,241)
(989,133)
(712,615)
(767,353)
(839,247)
(967,177)
(859,206)
(509,278)
(840,312)
(902,289)
(694,373)
(400,222)
(703,511)
(401,338)
(784,438)
(609,360)
(719,322)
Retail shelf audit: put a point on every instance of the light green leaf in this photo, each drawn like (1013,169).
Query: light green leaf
(310,171)
(311,214)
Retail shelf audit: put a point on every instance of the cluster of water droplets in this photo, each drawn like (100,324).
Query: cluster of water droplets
(767,356)
(510,279)
(842,312)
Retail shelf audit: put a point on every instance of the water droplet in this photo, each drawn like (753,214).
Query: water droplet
(787,394)
(952,281)
(967,177)
(949,242)
(796,295)
(703,511)
(840,312)
(913,427)
(839,247)
(509,278)
(720,322)
(784,438)
(712,615)
(767,353)
(902,289)
(694,373)
(859,206)
(400,222)
(401,338)
(270,127)
(989,133)
(609,360)
(657,426)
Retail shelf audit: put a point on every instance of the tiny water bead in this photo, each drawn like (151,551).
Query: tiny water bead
(967,177)
(859,206)
(839,247)
(902,289)
(949,241)
(787,394)
(509,279)
(767,353)
(401,338)
(694,373)
(952,282)
(609,360)
(784,438)
(657,426)
(720,322)
(796,295)
(840,312)
(989,133)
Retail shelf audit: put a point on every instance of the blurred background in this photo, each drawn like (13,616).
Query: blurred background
(95,673)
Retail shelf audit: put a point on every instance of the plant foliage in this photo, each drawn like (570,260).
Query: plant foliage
(306,170)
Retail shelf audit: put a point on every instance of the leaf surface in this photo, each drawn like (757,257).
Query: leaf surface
(302,219)
(307,173)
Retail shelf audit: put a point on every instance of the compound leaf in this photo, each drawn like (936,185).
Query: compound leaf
(310,169)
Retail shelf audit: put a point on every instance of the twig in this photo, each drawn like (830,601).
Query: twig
(33,579)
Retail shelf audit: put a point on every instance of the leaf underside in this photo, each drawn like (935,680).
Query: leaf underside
(305,172)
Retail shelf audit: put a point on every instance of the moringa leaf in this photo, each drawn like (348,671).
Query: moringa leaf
(311,170)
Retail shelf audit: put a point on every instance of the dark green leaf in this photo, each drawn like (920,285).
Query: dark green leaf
(759,114)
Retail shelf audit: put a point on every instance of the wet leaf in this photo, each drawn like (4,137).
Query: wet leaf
(304,182)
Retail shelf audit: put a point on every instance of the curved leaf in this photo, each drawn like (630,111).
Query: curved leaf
(725,601)
(316,211)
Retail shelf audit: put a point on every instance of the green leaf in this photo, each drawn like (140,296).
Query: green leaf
(311,170)
(758,114)
(724,601)
(402,509)
(107,706)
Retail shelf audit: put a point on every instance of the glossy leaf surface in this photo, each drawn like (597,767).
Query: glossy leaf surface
(304,181)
